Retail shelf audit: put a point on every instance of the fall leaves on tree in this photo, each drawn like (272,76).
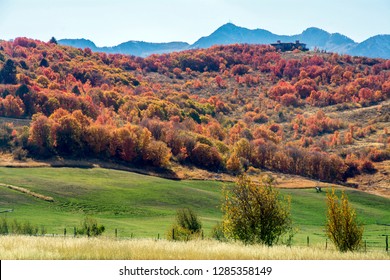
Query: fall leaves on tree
(225,108)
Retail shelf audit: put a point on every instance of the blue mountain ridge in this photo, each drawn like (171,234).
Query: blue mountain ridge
(374,47)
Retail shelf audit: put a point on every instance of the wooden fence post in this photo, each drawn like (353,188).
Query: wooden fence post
(387,243)
(308,241)
(326,244)
(74,232)
(173,234)
(64,232)
(116,233)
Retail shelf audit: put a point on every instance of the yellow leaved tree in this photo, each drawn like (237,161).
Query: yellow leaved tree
(342,226)
(256,213)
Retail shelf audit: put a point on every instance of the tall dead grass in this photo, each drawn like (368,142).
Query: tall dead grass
(59,248)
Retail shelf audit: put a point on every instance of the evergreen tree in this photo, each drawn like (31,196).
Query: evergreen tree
(8,73)
(53,41)
(44,63)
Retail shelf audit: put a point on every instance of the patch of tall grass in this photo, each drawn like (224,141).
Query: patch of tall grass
(60,248)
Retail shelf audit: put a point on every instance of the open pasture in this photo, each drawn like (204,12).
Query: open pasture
(141,206)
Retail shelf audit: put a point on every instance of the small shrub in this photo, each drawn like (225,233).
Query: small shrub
(188,219)
(90,227)
(28,229)
(187,226)
(175,232)
(20,154)
(367,166)
(217,233)
(15,227)
(3,226)
(43,230)
(379,155)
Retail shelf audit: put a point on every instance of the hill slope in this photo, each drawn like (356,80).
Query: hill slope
(226,109)
(145,206)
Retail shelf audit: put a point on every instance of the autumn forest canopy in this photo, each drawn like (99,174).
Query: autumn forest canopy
(225,109)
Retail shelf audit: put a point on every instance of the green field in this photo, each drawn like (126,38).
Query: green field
(144,206)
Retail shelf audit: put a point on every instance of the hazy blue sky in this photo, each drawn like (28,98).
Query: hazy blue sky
(109,22)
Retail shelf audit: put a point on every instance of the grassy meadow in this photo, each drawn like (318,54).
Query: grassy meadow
(59,248)
(141,206)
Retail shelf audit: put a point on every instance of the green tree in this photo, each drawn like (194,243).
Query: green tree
(76,90)
(342,226)
(53,41)
(188,219)
(8,73)
(44,63)
(256,213)
(21,91)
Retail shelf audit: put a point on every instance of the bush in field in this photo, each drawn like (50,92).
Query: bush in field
(217,232)
(188,219)
(187,225)
(255,213)
(16,227)
(4,226)
(20,154)
(90,227)
(341,226)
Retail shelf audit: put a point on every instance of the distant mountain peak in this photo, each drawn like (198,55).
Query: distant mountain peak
(132,47)
(378,45)
(228,25)
(315,30)
(228,28)
(78,43)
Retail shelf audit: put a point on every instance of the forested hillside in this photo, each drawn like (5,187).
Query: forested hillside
(226,109)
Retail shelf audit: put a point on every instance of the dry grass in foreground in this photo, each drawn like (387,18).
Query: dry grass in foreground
(56,248)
